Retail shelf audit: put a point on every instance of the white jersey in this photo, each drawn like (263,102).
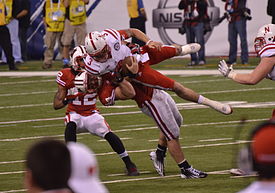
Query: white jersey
(260,187)
(119,51)
(268,51)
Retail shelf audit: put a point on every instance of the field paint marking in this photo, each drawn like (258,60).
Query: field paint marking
(26,82)
(20,106)
(154,140)
(123,174)
(59,118)
(136,129)
(203,81)
(53,125)
(25,93)
(122,138)
(133,179)
(246,176)
(239,104)
(165,72)
(220,139)
(15,172)
(149,150)
(140,125)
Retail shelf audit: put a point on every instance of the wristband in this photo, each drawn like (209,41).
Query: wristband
(148,42)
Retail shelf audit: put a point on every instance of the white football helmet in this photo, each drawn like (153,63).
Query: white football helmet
(76,58)
(266,35)
(95,42)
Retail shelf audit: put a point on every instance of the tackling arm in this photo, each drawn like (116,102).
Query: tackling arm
(133,32)
(124,91)
(59,98)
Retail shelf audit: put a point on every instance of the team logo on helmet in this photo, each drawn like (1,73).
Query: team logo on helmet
(117,46)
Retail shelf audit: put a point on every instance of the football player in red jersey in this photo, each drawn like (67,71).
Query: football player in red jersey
(107,49)
(82,114)
(160,106)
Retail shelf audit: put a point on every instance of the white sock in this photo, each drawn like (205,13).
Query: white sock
(124,154)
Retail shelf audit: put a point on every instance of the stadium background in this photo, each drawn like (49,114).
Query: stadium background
(104,14)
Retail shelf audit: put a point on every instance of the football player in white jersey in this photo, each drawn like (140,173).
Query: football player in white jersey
(265,47)
(107,49)
(264,44)
(80,94)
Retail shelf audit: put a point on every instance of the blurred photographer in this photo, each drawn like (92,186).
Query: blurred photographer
(271,10)
(195,15)
(237,14)
(260,157)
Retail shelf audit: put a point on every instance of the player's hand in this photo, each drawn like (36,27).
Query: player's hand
(153,44)
(225,70)
(133,68)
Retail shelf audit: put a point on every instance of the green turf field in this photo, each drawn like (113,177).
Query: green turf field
(207,137)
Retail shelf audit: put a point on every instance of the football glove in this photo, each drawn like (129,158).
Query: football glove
(225,70)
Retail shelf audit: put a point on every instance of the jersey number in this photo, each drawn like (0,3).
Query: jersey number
(85,100)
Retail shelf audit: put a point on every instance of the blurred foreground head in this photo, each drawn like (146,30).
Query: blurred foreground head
(85,171)
(48,166)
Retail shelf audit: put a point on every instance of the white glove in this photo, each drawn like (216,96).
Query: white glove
(226,70)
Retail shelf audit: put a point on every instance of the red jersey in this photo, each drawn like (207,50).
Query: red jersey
(84,103)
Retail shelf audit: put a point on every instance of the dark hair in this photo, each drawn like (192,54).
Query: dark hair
(50,164)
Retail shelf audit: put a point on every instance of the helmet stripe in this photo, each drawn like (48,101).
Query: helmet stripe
(91,38)
(82,50)
(110,32)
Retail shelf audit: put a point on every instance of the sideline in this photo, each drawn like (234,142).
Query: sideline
(165,72)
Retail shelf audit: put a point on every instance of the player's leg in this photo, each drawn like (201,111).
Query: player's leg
(97,125)
(156,56)
(119,148)
(158,156)
(71,121)
(152,78)
(190,95)
(160,110)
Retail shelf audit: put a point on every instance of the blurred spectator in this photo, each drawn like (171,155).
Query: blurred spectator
(260,157)
(138,18)
(195,13)
(24,22)
(48,167)
(5,41)
(13,9)
(75,24)
(236,12)
(54,17)
(271,10)
(85,170)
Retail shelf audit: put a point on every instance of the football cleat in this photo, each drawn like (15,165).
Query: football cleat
(132,170)
(192,173)
(157,163)
(190,48)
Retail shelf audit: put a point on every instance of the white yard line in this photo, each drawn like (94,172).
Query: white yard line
(149,150)
(165,72)
(135,129)
(136,179)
